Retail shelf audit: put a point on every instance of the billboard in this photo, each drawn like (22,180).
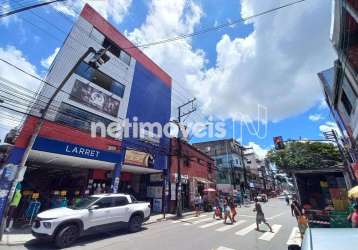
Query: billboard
(94,98)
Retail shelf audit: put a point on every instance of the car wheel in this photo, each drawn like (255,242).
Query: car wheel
(135,223)
(66,236)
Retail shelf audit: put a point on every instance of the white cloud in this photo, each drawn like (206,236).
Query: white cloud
(258,150)
(275,66)
(4,8)
(116,9)
(10,77)
(329,126)
(46,62)
(315,117)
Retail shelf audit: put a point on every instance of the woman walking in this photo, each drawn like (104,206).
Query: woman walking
(260,216)
(227,211)
(232,206)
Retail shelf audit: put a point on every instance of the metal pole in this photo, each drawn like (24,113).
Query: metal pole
(36,132)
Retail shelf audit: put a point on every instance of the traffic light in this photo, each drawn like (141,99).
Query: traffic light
(278,141)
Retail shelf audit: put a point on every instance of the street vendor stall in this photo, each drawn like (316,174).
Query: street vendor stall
(323,195)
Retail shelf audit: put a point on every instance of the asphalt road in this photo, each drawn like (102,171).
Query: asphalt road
(196,233)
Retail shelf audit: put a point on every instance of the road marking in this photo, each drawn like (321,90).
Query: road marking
(246,230)
(248,216)
(189,218)
(211,224)
(295,237)
(223,248)
(196,221)
(228,227)
(275,216)
(268,235)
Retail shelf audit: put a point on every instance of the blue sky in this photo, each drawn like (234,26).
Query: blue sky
(270,60)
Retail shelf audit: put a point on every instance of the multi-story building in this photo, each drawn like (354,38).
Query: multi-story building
(340,83)
(197,170)
(227,154)
(66,156)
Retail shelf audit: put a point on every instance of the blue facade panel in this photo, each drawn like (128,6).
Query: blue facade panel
(150,101)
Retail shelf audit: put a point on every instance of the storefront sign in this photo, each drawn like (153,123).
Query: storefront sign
(59,147)
(138,158)
(85,94)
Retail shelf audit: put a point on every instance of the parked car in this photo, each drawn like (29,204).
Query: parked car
(328,239)
(90,215)
(262,197)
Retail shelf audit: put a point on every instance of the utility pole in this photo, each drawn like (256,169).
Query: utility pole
(21,169)
(179,211)
(28,8)
(242,149)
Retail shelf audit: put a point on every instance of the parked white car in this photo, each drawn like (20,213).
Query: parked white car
(92,214)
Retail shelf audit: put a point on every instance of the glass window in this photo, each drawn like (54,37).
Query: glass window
(105,202)
(133,199)
(125,57)
(84,203)
(346,103)
(97,77)
(78,118)
(120,201)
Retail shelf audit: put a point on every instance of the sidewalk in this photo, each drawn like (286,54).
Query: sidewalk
(21,236)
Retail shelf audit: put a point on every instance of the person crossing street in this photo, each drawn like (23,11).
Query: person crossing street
(260,216)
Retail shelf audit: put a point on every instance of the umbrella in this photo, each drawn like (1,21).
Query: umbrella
(353,192)
(209,190)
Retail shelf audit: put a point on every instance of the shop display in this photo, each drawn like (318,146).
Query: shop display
(33,209)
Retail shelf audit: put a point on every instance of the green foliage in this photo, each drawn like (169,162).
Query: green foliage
(305,155)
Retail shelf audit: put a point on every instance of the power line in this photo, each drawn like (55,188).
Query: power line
(12,12)
(214,28)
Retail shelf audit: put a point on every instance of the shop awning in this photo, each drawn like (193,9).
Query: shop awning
(139,170)
(203,180)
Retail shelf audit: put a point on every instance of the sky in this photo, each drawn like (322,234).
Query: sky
(271,60)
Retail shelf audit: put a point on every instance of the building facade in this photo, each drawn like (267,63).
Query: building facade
(228,157)
(66,157)
(198,172)
(340,83)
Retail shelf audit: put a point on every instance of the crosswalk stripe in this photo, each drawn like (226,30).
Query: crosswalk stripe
(189,218)
(268,235)
(211,224)
(246,230)
(228,227)
(197,221)
(295,237)
(224,248)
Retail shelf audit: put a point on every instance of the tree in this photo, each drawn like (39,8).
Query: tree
(305,155)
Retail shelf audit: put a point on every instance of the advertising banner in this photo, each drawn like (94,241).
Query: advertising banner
(138,158)
(89,96)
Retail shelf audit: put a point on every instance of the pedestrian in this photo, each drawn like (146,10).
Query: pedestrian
(232,206)
(227,211)
(353,217)
(238,199)
(260,216)
(217,209)
(287,199)
(296,209)
(197,204)
(302,223)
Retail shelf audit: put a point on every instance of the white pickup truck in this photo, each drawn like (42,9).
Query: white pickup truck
(91,215)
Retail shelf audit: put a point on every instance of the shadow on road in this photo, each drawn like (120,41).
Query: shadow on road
(81,242)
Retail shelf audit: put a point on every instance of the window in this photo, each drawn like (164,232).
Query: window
(105,202)
(120,201)
(78,118)
(117,51)
(346,103)
(133,199)
(100,79)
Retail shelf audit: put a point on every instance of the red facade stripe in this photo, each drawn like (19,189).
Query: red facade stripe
(112,33)
(64,133)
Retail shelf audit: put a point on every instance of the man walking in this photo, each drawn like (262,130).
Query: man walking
(260,216)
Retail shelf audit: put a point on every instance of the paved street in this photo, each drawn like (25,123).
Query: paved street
(197,233)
